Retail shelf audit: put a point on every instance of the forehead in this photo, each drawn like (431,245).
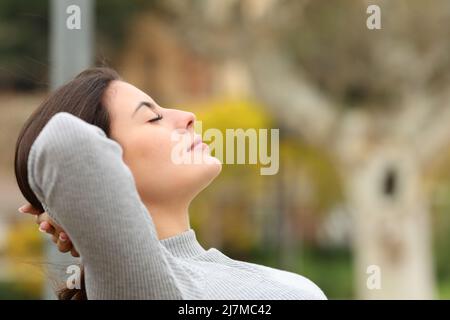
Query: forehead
(122,98)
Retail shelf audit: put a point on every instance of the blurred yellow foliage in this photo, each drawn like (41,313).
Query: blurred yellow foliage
(233,113)
(24,249)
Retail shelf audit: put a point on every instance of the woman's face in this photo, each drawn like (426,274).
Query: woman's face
(159,151)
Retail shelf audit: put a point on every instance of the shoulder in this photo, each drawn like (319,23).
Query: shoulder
(298,281)
(289,279)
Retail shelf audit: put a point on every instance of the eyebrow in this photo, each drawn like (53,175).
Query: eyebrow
(144,104)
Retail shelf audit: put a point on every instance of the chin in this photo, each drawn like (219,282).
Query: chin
(211,169)
(201,175)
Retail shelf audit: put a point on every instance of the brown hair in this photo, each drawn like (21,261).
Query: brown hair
(82,97)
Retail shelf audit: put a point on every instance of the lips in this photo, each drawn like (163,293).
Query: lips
(197,140)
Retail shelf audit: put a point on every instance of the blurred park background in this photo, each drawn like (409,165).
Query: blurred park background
(363,187)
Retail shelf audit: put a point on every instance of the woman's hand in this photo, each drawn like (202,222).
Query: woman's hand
(47,225)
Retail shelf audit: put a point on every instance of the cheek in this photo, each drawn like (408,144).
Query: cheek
(147,153)
(149,158)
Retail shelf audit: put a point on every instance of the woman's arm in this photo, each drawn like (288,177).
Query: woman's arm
(80,178)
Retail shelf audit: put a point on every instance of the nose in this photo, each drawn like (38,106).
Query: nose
(188,120)
(181,120)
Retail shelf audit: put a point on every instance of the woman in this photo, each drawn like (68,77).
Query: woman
(97,157)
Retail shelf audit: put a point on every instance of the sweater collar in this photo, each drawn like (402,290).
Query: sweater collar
(184,245)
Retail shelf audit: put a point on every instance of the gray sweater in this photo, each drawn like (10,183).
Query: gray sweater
(79,176)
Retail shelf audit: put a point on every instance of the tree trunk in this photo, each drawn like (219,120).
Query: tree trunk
(392,227)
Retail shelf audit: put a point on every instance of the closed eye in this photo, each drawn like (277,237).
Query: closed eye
(159,117)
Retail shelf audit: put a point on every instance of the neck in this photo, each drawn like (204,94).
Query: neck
(169,219)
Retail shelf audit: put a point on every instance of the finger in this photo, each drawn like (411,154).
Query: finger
(65,235)
(63,244)
(28,208)
(45,218)
(74,252)
(46,228)
(25,208)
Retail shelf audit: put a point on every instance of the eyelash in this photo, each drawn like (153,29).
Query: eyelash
(159,117)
